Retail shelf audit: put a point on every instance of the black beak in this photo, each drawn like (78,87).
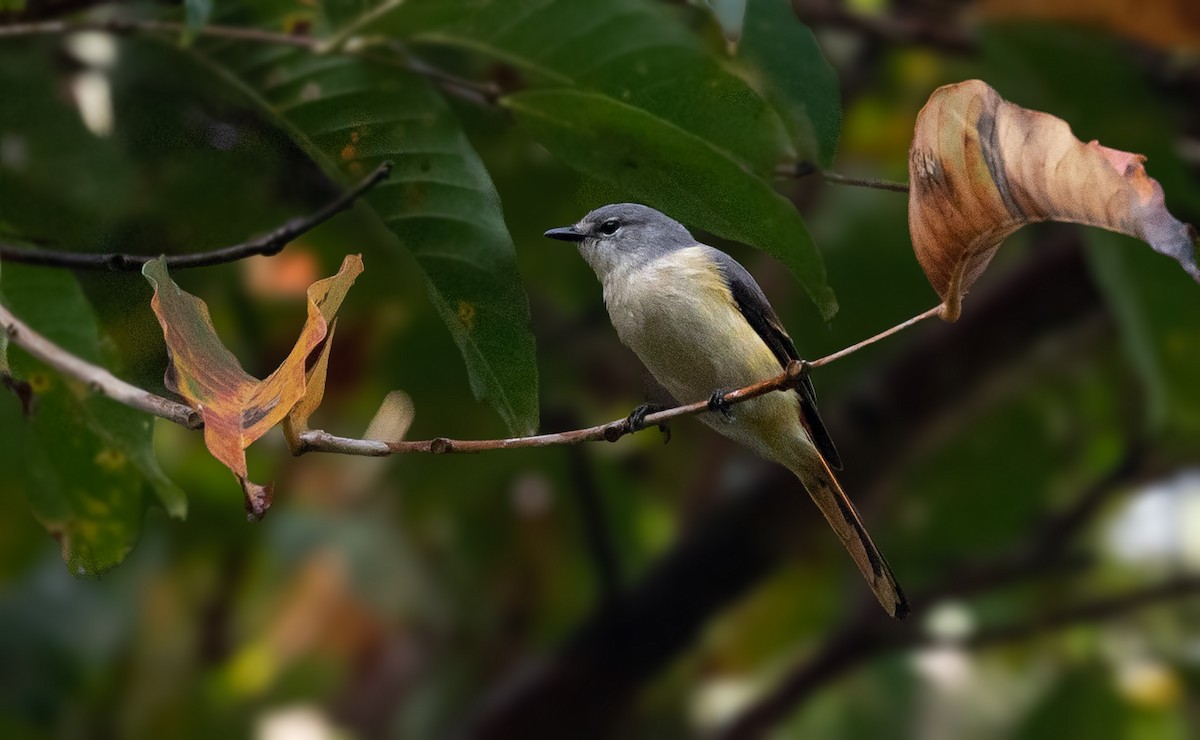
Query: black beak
(565,234)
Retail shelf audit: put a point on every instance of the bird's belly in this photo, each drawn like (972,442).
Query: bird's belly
(693,339)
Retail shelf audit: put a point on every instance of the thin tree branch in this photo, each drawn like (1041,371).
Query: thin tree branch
(864,182)
(97,378)
(267,245)
(105,382)
(321,441)
(935,311)
(804,169)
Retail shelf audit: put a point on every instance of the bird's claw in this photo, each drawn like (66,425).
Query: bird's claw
(637,420)
(637,417)
(717,402)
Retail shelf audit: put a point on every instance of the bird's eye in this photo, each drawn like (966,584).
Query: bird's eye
(609,227)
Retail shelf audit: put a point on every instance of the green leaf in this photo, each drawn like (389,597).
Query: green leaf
(349,115)
(649,156)
(781,59)
(636,52)
(655,84)
(90,460)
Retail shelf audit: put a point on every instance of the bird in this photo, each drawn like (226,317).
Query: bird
(701,325)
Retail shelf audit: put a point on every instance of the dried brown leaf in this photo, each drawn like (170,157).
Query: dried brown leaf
(236,407)
(981,167)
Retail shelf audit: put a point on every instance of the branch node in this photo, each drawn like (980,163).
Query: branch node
(441,446)
(613,432)
(120,262)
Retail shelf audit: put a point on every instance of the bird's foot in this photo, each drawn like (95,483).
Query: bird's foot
(717,402)
(637,419)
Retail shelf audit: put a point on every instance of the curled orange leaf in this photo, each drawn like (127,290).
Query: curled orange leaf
(238,408)
(981,167)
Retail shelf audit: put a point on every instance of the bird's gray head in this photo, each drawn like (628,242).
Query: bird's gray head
(624,236)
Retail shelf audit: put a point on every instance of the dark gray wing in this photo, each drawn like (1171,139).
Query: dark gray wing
(753,304)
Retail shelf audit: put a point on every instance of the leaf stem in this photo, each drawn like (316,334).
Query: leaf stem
(267,245)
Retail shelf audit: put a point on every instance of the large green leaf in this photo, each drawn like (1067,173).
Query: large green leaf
(781,59)
(653,159)
(653,79)
(90,461)
(634,51)
(350,114)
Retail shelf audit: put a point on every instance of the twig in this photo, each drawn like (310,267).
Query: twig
(864,182)
(804,169)
(321,441)
(935,311)
(267,245)
(97,378)
(105,382)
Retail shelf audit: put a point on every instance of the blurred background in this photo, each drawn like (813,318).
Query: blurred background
(1032,472)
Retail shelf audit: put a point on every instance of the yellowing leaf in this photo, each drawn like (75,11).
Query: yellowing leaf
(981,167)
(236,407)
(314,381)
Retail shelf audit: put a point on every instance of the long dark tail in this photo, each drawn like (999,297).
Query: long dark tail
(817,477)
